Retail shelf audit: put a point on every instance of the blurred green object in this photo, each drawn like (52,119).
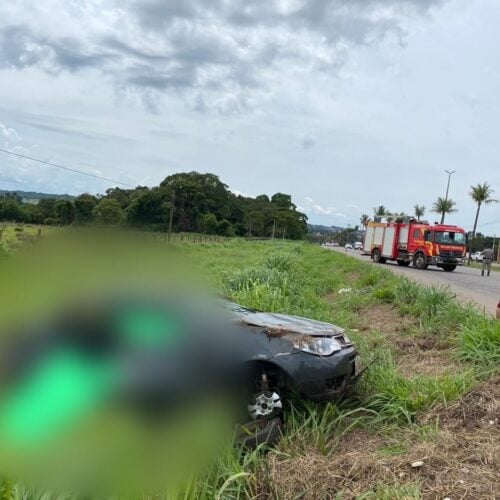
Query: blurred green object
(61,390)
(149,327)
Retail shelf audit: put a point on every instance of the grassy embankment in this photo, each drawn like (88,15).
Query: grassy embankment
(429,392)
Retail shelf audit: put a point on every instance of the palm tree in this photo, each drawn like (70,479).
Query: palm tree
(480,194)
(444,206)
(364,219)
(380,211)
(419,211)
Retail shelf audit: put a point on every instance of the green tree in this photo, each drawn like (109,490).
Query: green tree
(444,206)
(197,194)
(10,209)
(380,211)
(364,219)
(84,206)
(263,197)
(225,228)
(65,212)
(419,211)
(32,213)
(482,195)
(209,224)
(282,200)
(47,209)
(150,208)
(109,211)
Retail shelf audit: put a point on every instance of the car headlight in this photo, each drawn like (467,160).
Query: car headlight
(322,346)
(347,340)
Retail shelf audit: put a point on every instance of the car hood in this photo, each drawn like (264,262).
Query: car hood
(283,323)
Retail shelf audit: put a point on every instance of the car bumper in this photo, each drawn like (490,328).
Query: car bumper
(324,378)
(437,260)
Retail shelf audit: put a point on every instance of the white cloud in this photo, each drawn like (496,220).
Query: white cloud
(315,208)
(8,133)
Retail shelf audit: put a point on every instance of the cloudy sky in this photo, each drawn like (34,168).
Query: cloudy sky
(345,104)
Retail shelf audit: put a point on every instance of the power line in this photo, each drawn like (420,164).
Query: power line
(66,168)
(488,223)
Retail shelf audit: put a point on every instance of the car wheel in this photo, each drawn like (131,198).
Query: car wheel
(420,261)
(449,267)
(265,404)
(258,432)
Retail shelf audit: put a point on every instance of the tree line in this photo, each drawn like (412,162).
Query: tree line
(189,202)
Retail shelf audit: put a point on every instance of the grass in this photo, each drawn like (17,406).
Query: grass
(477,265)
(301,279)
(13,236)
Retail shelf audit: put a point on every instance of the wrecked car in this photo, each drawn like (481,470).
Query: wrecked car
(155,355)
(289,353)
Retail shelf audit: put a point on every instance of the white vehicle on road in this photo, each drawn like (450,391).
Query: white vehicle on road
(348,246)
(358,245)
(477,257)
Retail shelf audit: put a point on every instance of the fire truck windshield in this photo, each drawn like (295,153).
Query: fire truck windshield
(449,238)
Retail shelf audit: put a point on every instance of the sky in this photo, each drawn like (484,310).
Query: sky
(344,104)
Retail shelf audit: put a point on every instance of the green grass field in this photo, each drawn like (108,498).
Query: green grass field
(15,235)
(429,394)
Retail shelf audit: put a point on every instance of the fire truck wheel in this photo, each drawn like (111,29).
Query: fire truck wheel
(376,256)
(420,261)
(449,267)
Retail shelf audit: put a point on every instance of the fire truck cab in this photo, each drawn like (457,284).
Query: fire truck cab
(416,242)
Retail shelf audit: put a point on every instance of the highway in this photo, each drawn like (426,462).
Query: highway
(465,282)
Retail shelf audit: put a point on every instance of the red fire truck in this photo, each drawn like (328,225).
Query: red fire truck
(415,242)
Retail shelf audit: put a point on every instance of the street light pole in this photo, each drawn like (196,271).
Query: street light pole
(450,173)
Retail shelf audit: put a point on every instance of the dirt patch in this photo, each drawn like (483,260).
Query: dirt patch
(385,319)
(460,460)
(425,355)
(429,363)
(480,409)
(453,465)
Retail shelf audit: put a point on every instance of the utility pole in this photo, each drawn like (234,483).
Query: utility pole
(171,216)
(450,173)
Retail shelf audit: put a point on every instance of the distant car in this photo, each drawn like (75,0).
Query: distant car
(348,246)
(477,257)
(358,245)
(335,244)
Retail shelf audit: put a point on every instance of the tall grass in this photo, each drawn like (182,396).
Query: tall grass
(479,342)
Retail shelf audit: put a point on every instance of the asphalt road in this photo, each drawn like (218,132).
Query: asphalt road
(465,282)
